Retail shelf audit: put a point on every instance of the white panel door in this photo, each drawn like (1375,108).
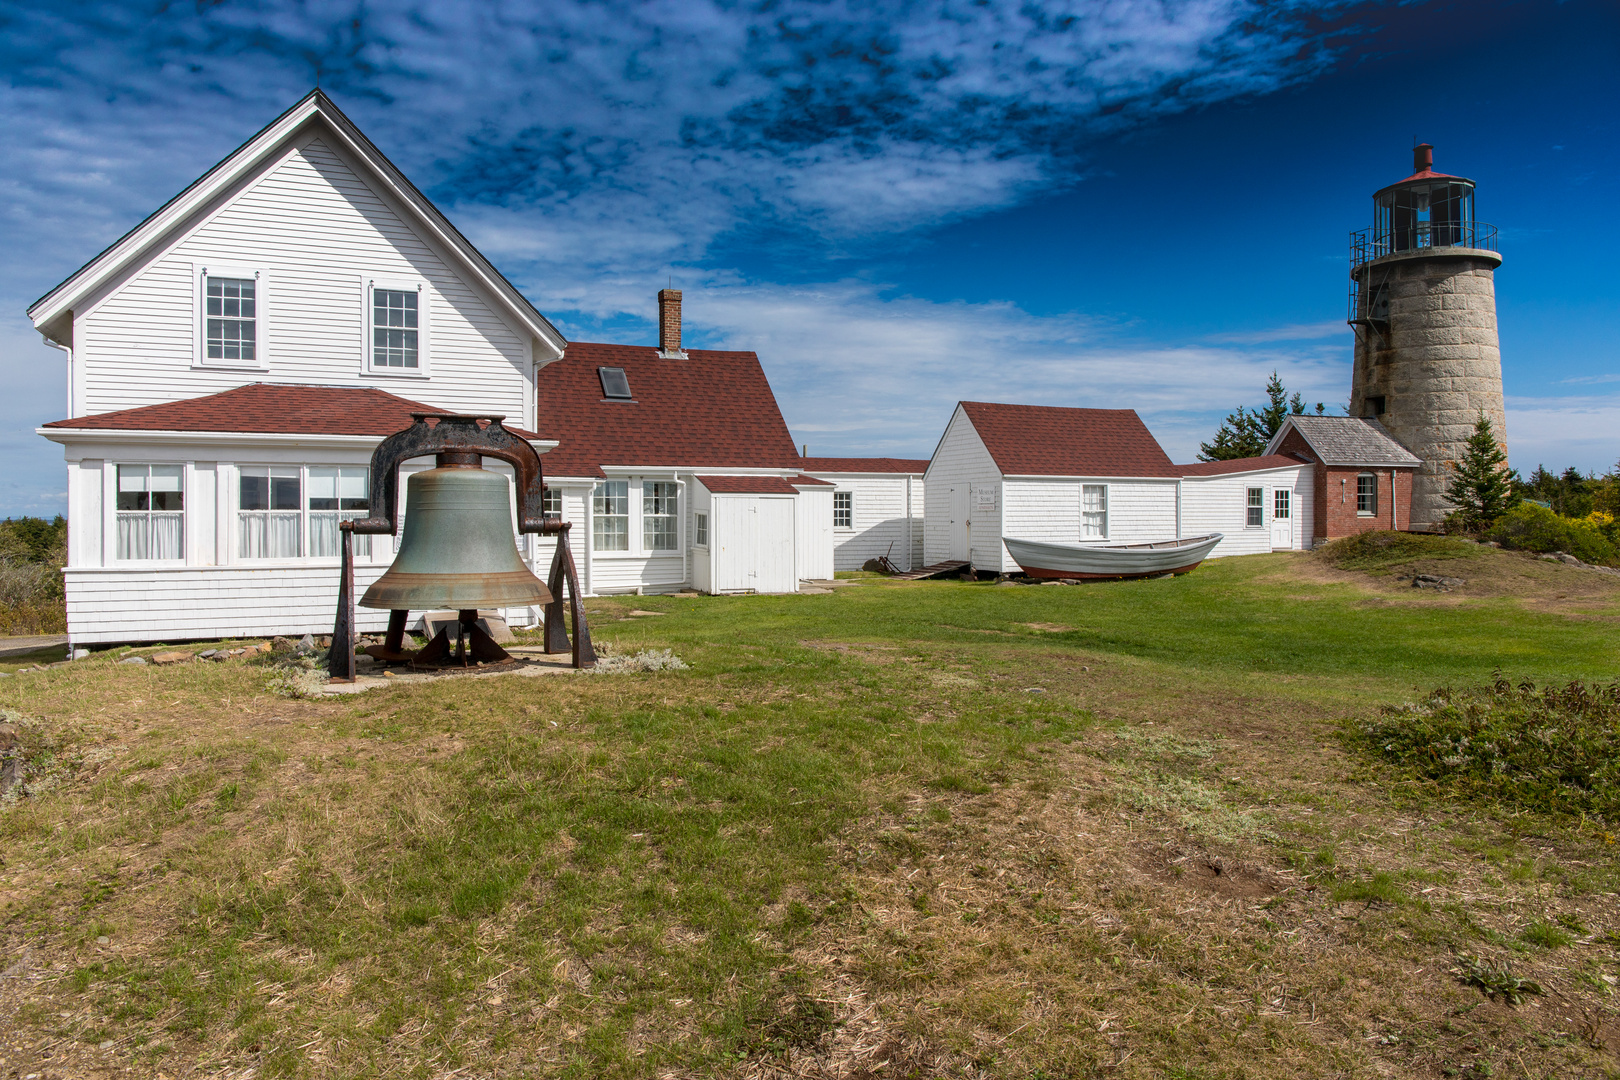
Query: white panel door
(734,538)
(959,525)
(775,570)
(1282,519)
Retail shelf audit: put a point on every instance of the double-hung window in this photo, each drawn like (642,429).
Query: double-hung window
(1366,495)
(270,512)
(843,510)
(232,304)
(1256,508)
(1093,511)
(610,516)
(337,494)
(151,518)
(551,502)
(658,508)
(396,327)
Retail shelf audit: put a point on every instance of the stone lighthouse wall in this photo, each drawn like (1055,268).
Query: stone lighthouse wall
(1435,361)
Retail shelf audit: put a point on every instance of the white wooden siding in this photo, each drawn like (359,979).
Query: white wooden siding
(960,459)
(880,505)
(1219,504)
(317,231)
(105,605)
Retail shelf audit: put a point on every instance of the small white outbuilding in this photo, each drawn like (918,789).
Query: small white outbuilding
(1096,476)
(875,509)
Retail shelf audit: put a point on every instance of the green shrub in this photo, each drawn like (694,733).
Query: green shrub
(1549,749)
(1382,548)
(1528,527)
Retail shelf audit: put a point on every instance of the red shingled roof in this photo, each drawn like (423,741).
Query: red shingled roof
(269,408)
(711,410)
(1046,440)
(809,481)
(864,464)
(1239,465)
(748,485)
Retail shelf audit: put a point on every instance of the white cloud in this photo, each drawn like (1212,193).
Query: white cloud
(1562,431)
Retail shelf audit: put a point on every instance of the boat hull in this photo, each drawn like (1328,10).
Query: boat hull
(1096,562)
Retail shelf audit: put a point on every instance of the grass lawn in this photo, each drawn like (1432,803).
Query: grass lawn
(906,829)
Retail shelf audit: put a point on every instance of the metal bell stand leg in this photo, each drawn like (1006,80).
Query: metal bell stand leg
(564,572)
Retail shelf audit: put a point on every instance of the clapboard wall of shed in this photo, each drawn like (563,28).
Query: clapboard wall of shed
(879,505)
(317,232)
(960,460)
(1220,504)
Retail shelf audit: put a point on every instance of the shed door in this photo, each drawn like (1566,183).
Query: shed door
(775,571)
(734,539)
(1282,519)
(959,525)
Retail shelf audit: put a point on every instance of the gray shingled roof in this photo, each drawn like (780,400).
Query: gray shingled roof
(1349,440)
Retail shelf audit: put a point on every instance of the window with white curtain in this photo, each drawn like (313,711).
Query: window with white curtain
(270,512)
(658,499)
(610,516)
(337,494)
(1093,511)
(151,518)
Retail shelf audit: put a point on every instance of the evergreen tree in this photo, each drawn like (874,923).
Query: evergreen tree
(1482,486)
(1246,432)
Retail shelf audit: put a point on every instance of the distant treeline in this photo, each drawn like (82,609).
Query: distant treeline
(32,554)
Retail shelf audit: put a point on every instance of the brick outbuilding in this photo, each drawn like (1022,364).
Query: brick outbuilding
(1363,476)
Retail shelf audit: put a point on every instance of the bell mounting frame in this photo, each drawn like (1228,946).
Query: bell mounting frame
(451,433)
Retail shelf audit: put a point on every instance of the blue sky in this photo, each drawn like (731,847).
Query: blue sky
(1122,203)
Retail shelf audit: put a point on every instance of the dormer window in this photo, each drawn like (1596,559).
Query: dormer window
(615,384)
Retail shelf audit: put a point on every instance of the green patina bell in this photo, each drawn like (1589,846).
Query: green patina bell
(457,550)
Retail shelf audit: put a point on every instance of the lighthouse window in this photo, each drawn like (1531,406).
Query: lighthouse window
(1366,495)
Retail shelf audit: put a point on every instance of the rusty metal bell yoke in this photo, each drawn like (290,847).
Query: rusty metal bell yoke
(457,550)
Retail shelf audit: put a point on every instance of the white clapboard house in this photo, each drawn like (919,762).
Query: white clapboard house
(1096,476)
(877,508)
(234,359)
(678,470)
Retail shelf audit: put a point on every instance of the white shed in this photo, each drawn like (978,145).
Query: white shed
(876,509)
(1260,504)
(750,535)
(1061,475)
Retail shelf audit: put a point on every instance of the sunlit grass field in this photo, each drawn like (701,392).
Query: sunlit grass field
(935,829)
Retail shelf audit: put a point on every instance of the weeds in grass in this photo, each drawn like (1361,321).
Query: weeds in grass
(1547,935)
(645,660)
(1496,980)
(1550,749)
(1381,888)
(1383,548)
(297,677)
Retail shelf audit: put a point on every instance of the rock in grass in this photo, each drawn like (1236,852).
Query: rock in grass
(133,660)
(175,657)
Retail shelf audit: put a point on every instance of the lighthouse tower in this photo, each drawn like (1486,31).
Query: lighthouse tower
(1423,302)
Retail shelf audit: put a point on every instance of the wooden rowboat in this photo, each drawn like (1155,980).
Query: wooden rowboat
(1148,559)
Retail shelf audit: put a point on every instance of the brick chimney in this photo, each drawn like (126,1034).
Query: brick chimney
(669,324)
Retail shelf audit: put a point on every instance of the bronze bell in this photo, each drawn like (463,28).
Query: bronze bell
(457,550)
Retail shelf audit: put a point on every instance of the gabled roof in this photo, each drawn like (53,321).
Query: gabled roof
(711,410)
(1048,440)
(1242,465)
(271,409)
(1346,440)
(314,109)
(748,485)
(863,465)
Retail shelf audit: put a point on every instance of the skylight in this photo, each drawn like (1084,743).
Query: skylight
(615,386)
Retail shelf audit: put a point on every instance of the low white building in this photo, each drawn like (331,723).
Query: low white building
(235,358)
(876,508)
(1095,476)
